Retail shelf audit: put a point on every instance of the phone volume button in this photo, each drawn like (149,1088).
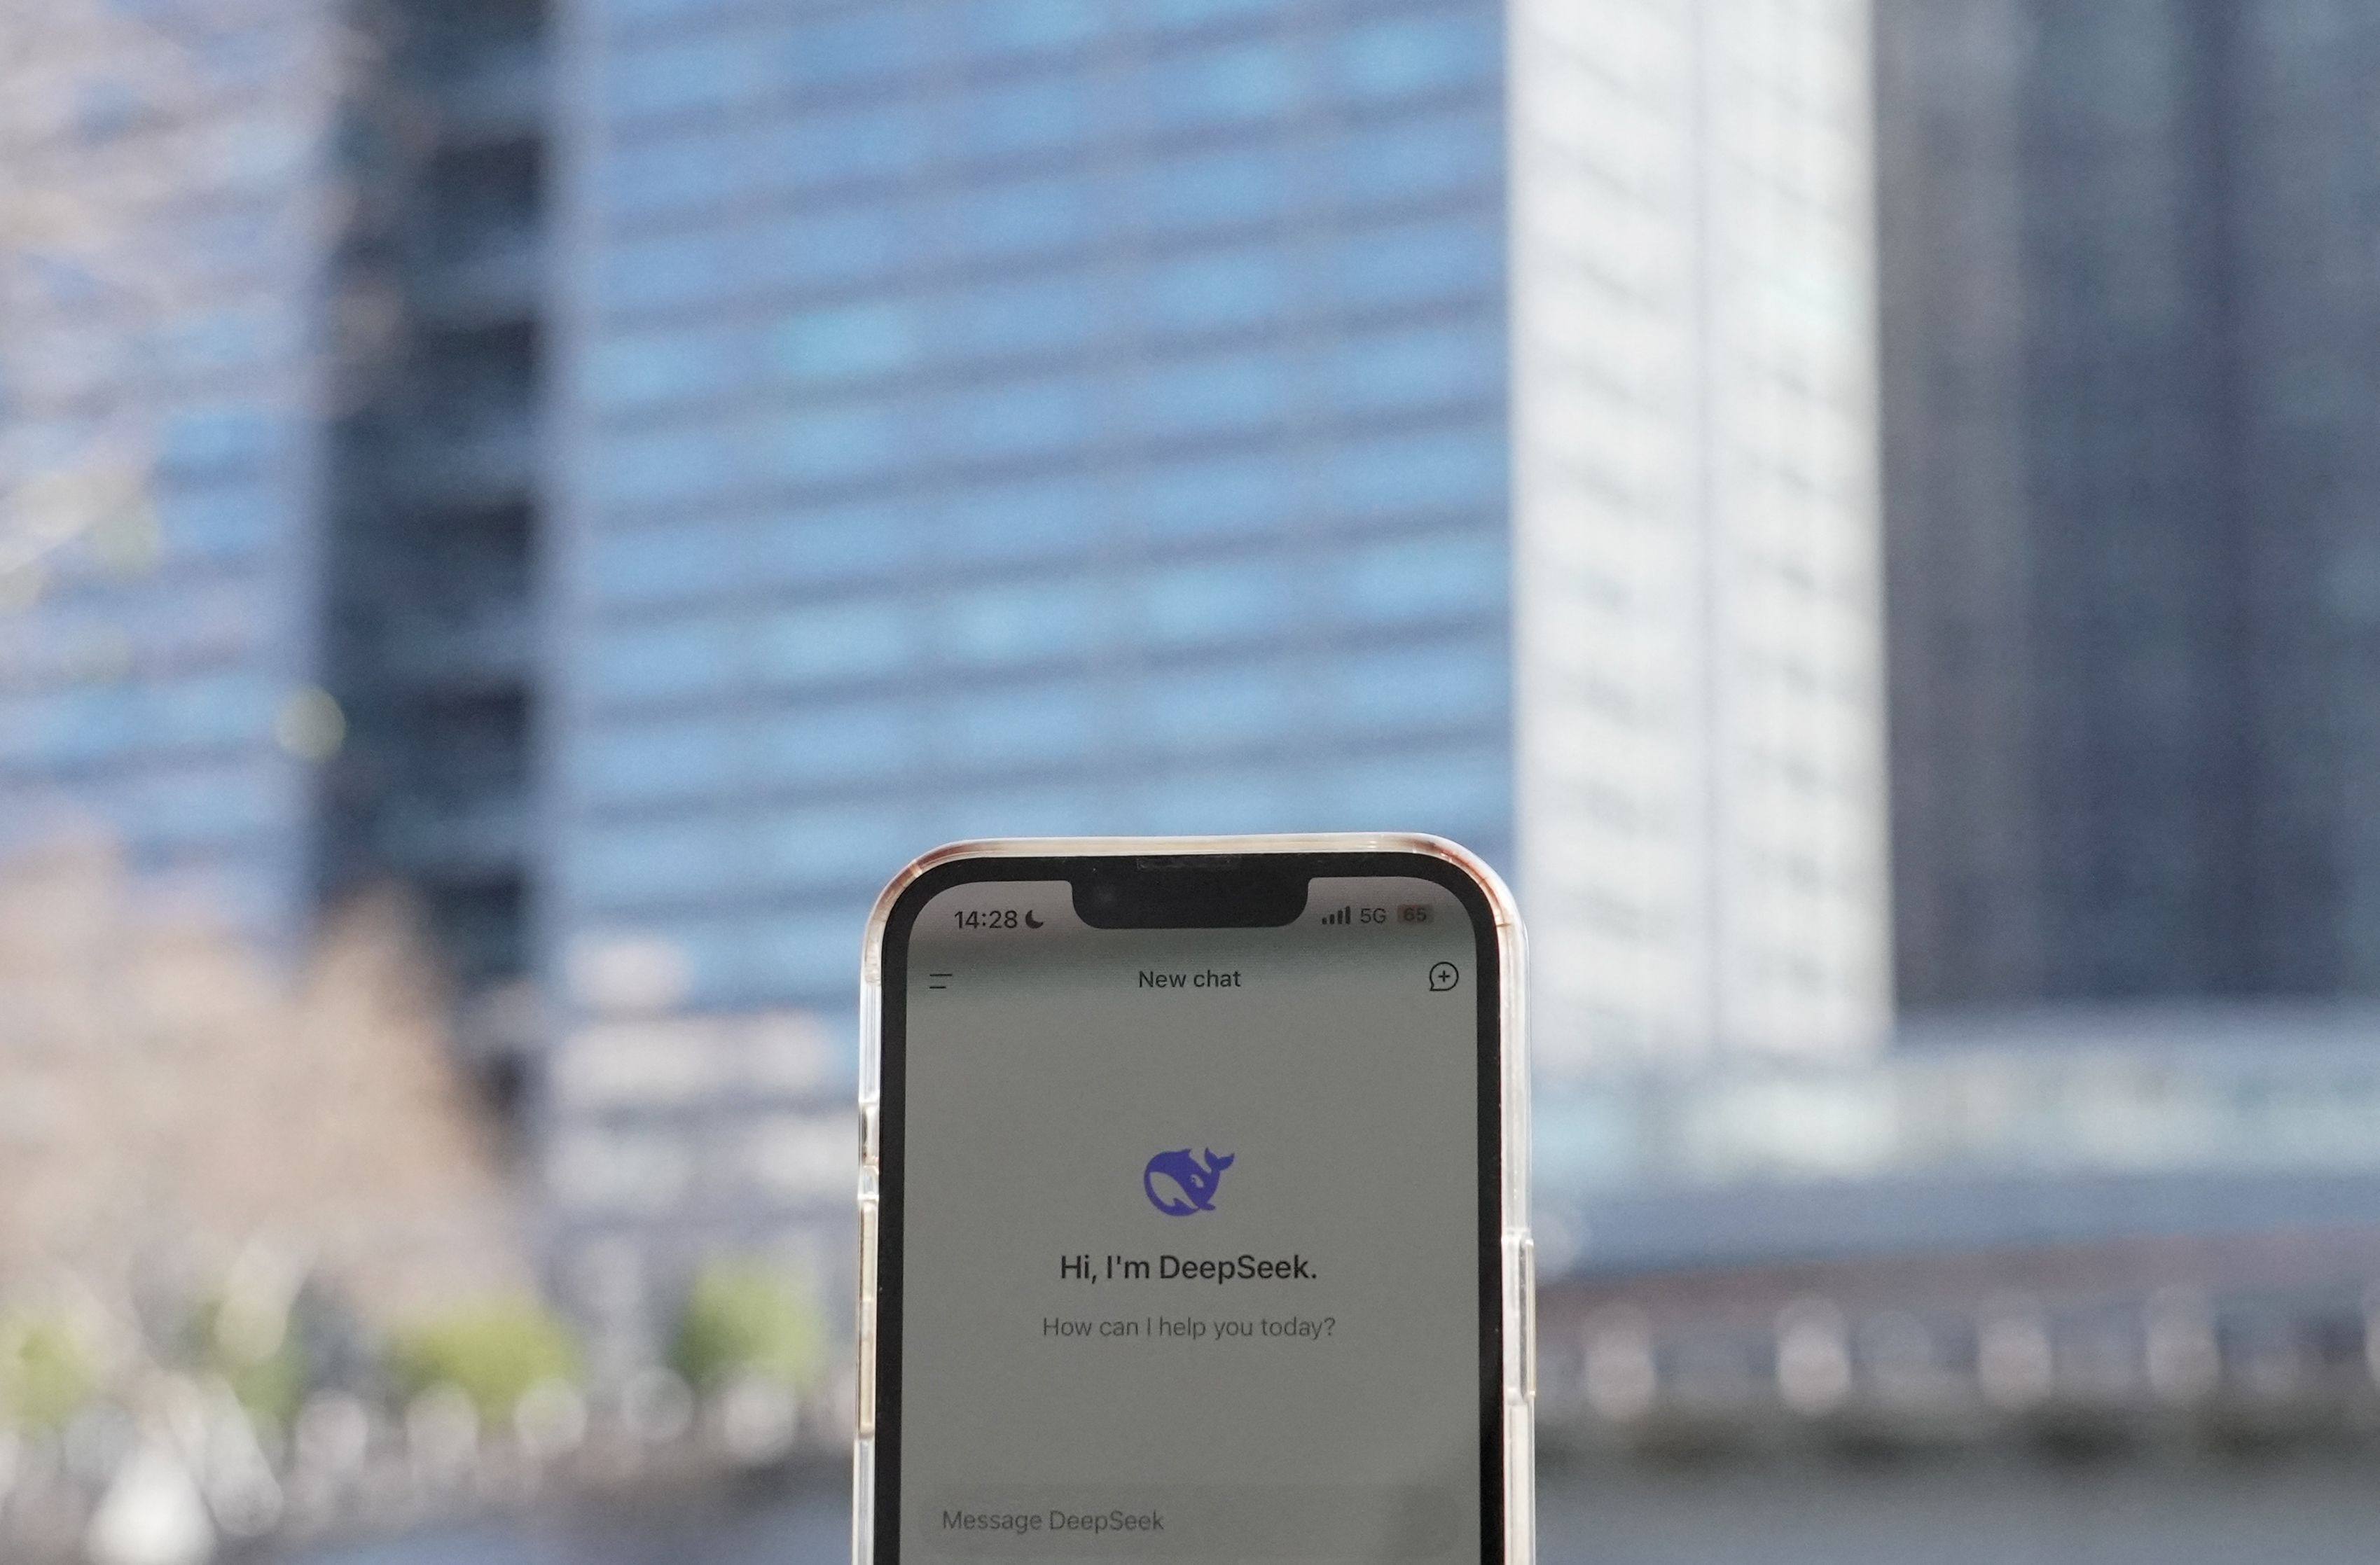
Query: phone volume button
(865,1400)
(868,1239)
(1528,1284)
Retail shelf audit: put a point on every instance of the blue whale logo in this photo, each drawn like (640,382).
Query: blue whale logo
(1197,1180)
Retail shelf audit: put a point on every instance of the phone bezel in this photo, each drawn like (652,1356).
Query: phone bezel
(1506,1305)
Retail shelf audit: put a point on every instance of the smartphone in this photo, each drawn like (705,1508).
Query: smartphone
(1193,1218)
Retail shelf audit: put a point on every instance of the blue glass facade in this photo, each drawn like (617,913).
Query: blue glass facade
(158,454)
(1015,416)
(430,570)
(2160,487)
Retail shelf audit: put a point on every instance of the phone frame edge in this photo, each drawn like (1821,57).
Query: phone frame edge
(1517,1244)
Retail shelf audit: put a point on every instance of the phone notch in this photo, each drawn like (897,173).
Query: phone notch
(1197,892)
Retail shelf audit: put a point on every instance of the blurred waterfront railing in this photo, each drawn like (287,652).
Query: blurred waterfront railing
(1760,1360)
(2128,1225)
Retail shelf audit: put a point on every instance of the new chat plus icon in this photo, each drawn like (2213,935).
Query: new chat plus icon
(1181,1185)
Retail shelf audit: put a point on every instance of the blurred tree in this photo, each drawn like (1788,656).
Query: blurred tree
(496,1354)
(116,122)
(173,1102)
(46,1371)
(743,1319)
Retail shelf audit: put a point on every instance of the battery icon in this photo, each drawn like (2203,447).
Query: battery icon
(1414,913)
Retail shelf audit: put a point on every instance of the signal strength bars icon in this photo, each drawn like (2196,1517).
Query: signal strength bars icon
(1344,915)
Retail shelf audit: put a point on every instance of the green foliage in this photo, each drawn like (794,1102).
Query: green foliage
(742,1318)
(45,1374)
(491,1352)
(272,1389)
(269,1371)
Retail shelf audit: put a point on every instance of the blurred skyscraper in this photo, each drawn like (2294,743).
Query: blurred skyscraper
(990,418)
(434,553)
(767,439)
(986,418)
(269,451)
(1703,843)
(161,214)
(2131,365)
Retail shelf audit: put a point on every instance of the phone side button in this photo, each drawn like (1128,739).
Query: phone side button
(866,1398)
(867,1241)
(1529,1318)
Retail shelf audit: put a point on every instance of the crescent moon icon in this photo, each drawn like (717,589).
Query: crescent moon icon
(1030,921)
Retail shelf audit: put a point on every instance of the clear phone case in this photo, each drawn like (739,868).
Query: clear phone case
(1519,1250)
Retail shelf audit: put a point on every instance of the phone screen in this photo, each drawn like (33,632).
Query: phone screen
(1194,1247)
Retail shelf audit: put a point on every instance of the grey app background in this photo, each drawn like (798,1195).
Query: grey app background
(1041,1077)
